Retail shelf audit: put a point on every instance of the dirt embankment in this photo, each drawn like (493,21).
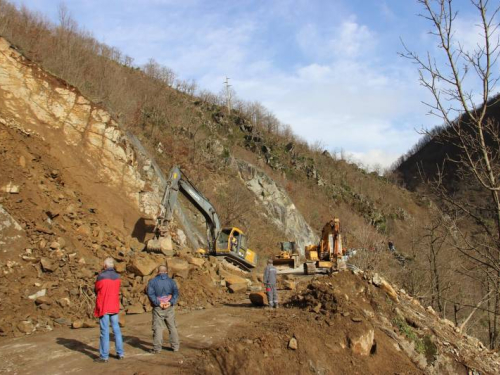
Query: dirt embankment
(47,274)
(349,323)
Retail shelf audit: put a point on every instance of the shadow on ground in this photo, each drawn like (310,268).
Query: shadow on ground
(79,346)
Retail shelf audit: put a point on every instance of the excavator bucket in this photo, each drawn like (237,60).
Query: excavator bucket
(160,245)
(291,262)
(288,256)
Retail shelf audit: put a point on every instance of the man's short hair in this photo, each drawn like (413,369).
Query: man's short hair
(109,262)
(163,269)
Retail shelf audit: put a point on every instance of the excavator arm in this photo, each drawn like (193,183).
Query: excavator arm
(176,183)
(233,243)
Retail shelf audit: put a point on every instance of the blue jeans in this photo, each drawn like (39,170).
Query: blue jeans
(104,340)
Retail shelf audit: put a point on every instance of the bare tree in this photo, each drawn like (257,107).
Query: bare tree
(462,82)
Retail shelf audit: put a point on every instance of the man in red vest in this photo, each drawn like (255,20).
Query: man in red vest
(107,307)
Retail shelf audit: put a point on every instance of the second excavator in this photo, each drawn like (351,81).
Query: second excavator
(230,243)
(327,256)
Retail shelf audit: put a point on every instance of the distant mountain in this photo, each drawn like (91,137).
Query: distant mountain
(434,152)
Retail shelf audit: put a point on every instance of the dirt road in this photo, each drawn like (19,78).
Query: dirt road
(68,351)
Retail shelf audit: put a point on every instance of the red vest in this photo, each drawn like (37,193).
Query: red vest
(107,288)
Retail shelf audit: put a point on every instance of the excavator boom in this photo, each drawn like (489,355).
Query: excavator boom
(176,183)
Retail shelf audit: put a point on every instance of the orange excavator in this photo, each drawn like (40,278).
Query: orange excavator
(327,256)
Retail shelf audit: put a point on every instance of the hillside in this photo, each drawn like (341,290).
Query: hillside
(86,141)
(435,152)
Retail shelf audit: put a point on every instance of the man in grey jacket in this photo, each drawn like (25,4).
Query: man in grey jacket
(270,282)
(163,294)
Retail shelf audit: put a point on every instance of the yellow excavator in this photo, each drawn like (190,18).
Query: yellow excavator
(230,243)
(327,256)
(288,256)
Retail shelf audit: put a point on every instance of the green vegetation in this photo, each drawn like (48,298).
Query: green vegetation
(423,345)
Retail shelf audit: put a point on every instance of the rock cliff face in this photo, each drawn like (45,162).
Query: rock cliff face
(279,207)
(90,143)
(84,134)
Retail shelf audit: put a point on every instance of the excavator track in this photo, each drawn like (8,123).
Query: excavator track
(237,262)
(309,268)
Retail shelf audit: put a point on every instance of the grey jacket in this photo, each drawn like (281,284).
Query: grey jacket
(270,275)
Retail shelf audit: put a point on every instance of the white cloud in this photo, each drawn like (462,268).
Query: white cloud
(347,102)
(352,39)
(373,159)
(319,68)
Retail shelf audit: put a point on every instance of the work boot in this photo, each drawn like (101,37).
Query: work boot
(101,360)
(275,305)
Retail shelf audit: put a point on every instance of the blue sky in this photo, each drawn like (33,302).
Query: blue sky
(329,68)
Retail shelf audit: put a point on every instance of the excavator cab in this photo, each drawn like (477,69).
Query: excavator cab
(232,243)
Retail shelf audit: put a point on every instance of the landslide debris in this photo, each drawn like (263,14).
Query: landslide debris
(47,279)
(346,323)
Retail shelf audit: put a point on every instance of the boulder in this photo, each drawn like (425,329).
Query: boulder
(11,188)
(181,237)
(77,324)
(233,279)
(137,308)
(237,288)
(258,298)
(431,311)
(317,308)
(62,242)
(47,265)
(137,246)
(361,340)
(120,267)
(38,294)
(58,254)
(85,273)
(197,262)
(178,267)
(62,321)
(64,302)
(89,323)
(142,266)
(293,344)
(43,300)
(55,245)
(377,280)
(26,327)
(289,284)
(386,287)
(84,230)
(236,284)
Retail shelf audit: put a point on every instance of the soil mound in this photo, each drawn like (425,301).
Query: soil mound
(345,323)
